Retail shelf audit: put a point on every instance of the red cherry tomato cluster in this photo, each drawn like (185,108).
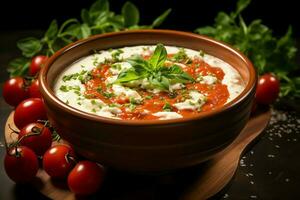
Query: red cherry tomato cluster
(35,140)
(17,89)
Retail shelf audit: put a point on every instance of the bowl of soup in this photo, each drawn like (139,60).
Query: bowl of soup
(148,100)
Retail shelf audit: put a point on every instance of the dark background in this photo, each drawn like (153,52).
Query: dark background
(21,18)
(186,14)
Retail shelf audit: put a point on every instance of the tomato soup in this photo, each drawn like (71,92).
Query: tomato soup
(148,83)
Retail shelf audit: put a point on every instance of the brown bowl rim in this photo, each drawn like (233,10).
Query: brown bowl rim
(49,94)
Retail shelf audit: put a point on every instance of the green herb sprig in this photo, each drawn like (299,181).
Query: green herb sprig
(154,70)
(267,52)
(97,19)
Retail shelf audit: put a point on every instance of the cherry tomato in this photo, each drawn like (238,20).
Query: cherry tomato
(34,90)
(267,89)
(28,111)
(36,64)
(86,178)
(57,161)
(21,164)
(37,137)
(15,91)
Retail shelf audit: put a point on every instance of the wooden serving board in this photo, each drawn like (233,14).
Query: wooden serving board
(195,183)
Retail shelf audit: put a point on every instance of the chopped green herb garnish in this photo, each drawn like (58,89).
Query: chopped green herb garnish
(89,96)
(95,60)
(192,103)
(77,92)
(93,102)
(64,88)
(181,57)
(116,66)
(148,97)
(132,107)
(113,105)
(74,76)
(116,55)
(167,107)
(85,78)
(108,94)
(99,90)
(201,53)
(135,101)
(172,94)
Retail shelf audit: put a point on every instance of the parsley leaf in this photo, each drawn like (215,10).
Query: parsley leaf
(267,52)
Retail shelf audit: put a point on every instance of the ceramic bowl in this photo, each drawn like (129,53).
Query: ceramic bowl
(148,146)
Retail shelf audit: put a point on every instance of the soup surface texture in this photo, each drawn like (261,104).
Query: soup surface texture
(148,83)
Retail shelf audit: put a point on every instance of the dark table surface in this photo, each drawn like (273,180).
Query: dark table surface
(270,169)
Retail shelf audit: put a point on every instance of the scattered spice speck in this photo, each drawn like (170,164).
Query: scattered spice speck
(287,180)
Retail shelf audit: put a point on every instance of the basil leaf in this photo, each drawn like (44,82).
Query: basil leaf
(139,64)
(74,31)
(241,5)
(99,6)
(160,19)
(159,57)
(29,46)
(18,67)
(206,30)
(129,75)
(85,30)
(159,82)
(131,14)
(177,75)
(51,33)
(85,16)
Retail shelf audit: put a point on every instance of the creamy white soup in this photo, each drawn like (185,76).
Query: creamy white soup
(148,83)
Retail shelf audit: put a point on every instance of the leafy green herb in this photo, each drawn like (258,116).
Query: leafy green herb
(148,97)
(131,14)
(105,93)
(181,57)
(97,19)
(29,46)
(116,55)
(93,102)
(167,107)
(83,76)
(134,101)
(73,76)
(64,88)
(267,52)
(18,66)
(108,94)
(154,70)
